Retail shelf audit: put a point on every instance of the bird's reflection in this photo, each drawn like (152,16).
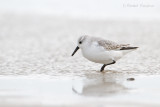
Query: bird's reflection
(100,84)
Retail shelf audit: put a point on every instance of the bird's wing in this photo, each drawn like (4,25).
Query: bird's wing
(110,45)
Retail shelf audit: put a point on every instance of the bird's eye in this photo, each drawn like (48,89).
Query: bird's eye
(80,42)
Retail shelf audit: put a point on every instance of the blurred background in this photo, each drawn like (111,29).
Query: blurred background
(87,9)
(37,38)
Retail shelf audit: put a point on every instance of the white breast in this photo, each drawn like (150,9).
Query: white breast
(98,54)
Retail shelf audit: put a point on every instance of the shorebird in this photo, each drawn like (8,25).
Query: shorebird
(102,51)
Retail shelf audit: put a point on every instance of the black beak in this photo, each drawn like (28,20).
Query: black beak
(75,50)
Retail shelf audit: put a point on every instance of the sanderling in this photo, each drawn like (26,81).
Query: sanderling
(102,51)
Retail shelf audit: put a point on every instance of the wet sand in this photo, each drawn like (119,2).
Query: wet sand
(36,67)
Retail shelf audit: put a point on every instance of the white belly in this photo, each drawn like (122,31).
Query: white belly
(101,56)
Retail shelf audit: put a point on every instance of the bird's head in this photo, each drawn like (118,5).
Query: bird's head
(81,43)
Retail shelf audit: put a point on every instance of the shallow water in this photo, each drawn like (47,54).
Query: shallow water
(37,69)
(105,89)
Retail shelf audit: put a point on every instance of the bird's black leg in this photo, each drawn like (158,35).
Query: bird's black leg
(112,62)
(102,68)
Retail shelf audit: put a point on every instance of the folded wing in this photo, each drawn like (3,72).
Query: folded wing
(110,45)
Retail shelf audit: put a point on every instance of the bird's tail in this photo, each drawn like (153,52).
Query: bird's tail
(128,49)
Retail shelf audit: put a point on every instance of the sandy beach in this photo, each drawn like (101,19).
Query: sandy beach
(37,70)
